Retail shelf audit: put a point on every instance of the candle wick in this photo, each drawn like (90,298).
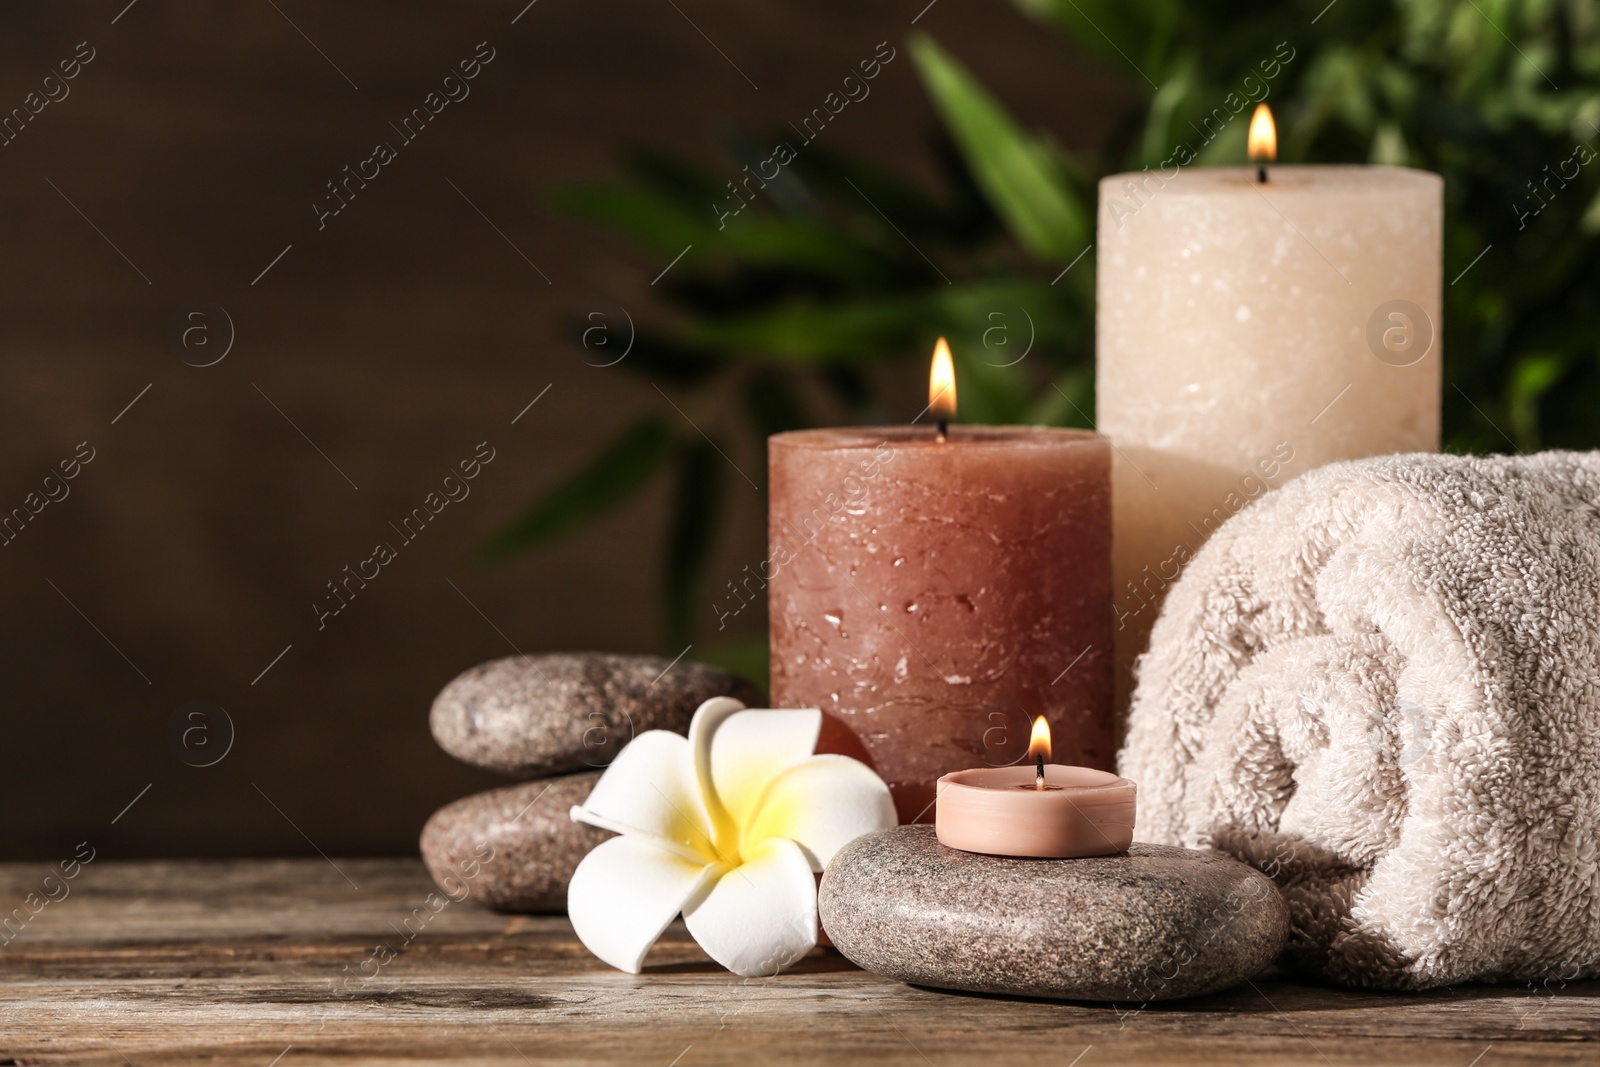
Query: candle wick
(1038,765)
(1261,174)
(944,428)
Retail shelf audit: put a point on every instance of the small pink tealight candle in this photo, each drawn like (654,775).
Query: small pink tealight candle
(1042,810)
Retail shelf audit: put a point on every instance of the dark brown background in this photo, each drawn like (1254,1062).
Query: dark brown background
(397,338)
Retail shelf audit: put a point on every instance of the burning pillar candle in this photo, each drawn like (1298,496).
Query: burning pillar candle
(931,591)
(1253,323)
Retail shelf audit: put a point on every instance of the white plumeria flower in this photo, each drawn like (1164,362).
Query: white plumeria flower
(727,826)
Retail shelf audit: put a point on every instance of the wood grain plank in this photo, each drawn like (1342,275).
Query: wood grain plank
(239,962)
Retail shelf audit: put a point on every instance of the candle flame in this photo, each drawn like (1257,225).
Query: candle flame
(942,383)
(1263,135)
(1039,743)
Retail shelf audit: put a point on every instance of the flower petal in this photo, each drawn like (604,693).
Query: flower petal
(625,892)
(708,719)
(751,748)
(650,789)
(822,805)
(760,916)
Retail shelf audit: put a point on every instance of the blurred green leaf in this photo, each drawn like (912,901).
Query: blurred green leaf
(812,332)
(618,472)
(668,227)
(1067,401)
(1019,173)
(1160,124)
(746,657)
(1132,38)
(691,533)
(1532,377)
(859,185)
(982,314)
(991,389)
(638,214)
(806,244)
(1389,146)
(1590,222)
(772,404)
(686,186)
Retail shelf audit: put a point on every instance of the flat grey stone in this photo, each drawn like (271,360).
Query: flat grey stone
(532,716)
(1153,923)
(512,849)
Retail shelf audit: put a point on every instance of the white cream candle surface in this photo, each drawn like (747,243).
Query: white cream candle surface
(1246,332)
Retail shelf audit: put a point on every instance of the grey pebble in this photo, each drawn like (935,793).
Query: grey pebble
(532,716)
(512,849)
(1153,923)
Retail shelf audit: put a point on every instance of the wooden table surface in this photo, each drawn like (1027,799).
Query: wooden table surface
(266,962)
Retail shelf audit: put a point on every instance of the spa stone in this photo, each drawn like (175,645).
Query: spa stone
(538,715)
(512,849)
(1153,923)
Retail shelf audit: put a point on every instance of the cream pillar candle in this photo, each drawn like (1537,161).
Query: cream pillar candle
(1248,331)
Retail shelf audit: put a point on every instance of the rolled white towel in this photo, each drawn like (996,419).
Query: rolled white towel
(1381,685)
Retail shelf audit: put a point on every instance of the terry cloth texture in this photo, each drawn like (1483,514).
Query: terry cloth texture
(1380,684)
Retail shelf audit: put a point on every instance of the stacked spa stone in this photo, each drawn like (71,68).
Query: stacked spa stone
(557,720)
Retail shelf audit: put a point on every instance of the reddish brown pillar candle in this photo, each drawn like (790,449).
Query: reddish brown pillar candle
(932,597)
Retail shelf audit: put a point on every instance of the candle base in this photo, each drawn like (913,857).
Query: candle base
(999,811)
